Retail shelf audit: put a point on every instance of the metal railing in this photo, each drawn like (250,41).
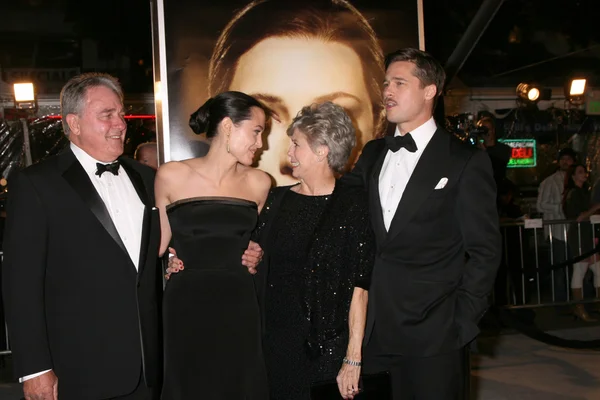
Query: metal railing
(536,267)
(531,274)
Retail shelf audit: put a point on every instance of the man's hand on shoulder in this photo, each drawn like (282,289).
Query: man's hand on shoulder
(43,387)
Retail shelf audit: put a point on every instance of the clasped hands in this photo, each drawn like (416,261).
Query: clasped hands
(250,259)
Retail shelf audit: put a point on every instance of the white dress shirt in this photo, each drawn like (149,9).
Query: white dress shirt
(123,204)
(549,202)
(397,169)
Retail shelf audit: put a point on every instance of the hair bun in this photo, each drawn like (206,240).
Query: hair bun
(200,118)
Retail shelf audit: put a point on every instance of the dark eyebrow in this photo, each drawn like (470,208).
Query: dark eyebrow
(335,95)
(271,102)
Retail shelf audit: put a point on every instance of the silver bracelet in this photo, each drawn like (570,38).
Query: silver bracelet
(352,362)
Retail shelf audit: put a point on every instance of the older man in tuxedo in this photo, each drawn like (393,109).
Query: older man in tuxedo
(81,281)
(433,206)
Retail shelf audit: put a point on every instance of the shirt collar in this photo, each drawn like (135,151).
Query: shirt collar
(87,162)
(423,134)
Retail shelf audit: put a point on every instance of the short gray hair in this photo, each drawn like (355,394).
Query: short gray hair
(72,95)
(327,124)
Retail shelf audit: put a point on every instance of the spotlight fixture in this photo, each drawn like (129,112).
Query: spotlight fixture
(575,90)
(24,95)
(531,93)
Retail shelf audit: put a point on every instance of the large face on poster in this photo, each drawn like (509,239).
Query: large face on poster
(287,54)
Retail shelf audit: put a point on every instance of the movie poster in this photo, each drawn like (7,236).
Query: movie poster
(286,53)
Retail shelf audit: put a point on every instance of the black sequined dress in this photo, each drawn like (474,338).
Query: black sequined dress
(318,249)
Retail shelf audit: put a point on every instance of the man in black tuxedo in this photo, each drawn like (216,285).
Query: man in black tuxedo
(81,281)
(433,205)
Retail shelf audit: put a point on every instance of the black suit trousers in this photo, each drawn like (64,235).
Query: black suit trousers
(438,377)
(141,392)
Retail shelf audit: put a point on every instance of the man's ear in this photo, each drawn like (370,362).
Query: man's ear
(73,122)
(430,92)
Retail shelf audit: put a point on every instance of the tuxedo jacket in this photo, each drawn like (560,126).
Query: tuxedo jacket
(74,301)
(436,266)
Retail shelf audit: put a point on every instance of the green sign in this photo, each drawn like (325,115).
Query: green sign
(524,153)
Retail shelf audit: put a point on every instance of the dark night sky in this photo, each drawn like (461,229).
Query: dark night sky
(523,32)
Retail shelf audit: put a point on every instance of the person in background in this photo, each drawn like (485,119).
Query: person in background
(499,153)
(147,154)
(508,209)
(550,204)
(576,205)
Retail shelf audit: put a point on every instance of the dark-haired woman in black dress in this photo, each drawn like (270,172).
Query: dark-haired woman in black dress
(209,207)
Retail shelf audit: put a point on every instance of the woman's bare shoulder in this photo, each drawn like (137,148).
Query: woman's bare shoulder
(258,179)
(173,170)
(258,182)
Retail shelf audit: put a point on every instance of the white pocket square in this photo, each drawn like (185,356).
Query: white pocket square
(441,184)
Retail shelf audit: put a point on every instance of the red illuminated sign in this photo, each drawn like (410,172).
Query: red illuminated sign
(522,152)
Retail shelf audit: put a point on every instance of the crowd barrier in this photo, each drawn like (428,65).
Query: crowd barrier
(537,262)
(535,271)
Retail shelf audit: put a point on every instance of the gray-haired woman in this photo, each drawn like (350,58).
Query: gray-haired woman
(319,251)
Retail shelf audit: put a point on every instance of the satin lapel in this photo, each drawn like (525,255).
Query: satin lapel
(76,176)
(427,173)
(375,200)
(137,181)
(145,240)
(140,188)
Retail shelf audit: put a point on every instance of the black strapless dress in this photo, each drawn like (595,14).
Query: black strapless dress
(212,327)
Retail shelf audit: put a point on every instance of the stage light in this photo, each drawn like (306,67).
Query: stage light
(577,87)
(24,95)
(531,93)
(528,92)
(575,91)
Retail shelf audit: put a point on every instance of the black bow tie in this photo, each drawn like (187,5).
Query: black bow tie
(395,143)
(113,168)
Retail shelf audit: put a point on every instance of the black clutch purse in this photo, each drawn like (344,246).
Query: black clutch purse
(371,387)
